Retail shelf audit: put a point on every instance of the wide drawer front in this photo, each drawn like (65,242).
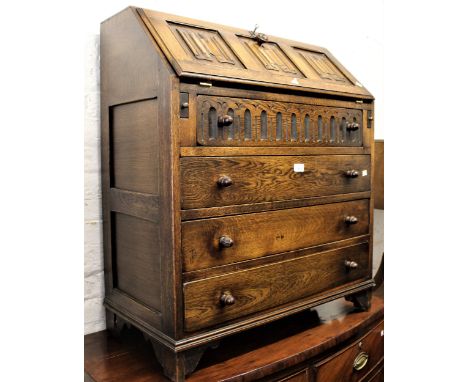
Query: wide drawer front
(224,121)
(217,241)
(234,295)
(354,362)
(214,182)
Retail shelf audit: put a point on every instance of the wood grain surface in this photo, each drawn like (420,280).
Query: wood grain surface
(339,367)
(278,350)
(271,285)
(264,260)
(204,151)
(200,213)
(265,233)
(138,140)
(265,179)
(138,270)
(377,375)
(134,147)
(379,175)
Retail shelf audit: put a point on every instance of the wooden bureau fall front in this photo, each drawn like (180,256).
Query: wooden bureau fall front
(236,181)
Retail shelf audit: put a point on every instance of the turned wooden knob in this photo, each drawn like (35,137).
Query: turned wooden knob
(227,298)
(224,181)
(352,173)
(350,264)
(352,126)
(225,242)
(351,219)
(225,120)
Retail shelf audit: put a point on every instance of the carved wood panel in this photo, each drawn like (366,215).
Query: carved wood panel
(269,123)
(321,64)
(205,45)
(271,57)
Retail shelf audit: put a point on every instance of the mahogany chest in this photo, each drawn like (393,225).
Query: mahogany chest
(236,181)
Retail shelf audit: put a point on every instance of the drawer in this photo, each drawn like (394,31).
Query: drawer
(297,376)
(218,299)
(226,121)
(340,367)
(211,242)
(224,181)
(376,375)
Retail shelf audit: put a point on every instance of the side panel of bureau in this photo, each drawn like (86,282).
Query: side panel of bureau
(270,286)
(265,179)
(265,233)
(137,170)
(134,172)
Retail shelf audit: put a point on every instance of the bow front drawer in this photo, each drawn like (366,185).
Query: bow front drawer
(215,182)
(355,362)
(217,299)
(212,242)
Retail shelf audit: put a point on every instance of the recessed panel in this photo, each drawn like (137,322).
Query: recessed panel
(322,65)
(137,259)
(205,45)
(271,57)
(134,147)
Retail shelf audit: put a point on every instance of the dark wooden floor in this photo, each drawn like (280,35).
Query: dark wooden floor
(253,354)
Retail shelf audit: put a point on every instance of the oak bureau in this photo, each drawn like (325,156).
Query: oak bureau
(236,181)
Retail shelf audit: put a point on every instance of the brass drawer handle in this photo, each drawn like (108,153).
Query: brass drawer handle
(350,264)
(351,220)
(360,361)
(224,181)
(225,120)
(352,126)
(225,242)
(352,173)
(227,298)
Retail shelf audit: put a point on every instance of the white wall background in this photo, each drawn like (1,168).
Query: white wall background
(351,30)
